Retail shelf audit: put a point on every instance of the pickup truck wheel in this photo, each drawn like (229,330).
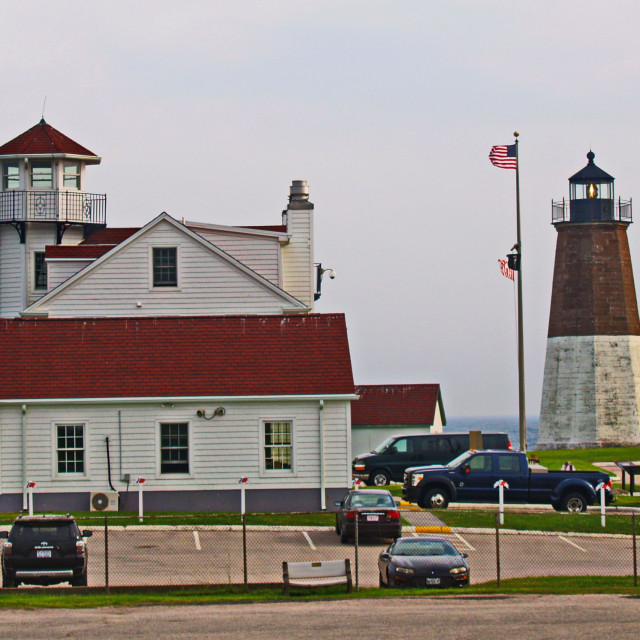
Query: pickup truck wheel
(574,503)
(435,499)
(379,478)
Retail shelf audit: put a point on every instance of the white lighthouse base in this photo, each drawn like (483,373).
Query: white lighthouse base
(591,392)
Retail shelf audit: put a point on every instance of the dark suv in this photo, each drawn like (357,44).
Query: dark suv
(389,460)
(44,550)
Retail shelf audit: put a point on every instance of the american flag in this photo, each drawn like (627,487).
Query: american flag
(504,156)
(505,271)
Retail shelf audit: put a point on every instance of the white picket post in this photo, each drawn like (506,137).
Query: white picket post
(501,485)
(140,483)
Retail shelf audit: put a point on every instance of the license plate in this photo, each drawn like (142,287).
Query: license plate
(433,580)
(43,553)
(373,518)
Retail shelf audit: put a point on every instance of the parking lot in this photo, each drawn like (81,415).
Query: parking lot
(206,555)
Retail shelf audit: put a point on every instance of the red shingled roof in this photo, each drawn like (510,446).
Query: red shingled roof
(78,251)
(174,356)
(41,139)
(96,245)
(395,404)
(110,235)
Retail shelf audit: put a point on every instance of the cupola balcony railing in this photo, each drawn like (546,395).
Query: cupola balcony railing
(619,212)
(73,207)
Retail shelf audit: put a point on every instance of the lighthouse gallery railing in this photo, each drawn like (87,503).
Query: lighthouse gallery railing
(53,206)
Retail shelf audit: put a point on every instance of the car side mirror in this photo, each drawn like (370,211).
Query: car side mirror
(392,451)
(337,503)
(464,554)
(4,534)
(385,555)
(87,534)
(465,468)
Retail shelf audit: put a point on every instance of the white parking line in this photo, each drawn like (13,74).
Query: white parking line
(306,535)
(573,544)
(196,537)
(457,535)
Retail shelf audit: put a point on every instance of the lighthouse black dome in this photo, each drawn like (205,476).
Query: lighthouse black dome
(591,173)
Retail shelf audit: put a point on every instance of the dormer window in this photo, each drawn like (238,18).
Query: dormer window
(41,174)
(10,176)
(165,267)
(71,176)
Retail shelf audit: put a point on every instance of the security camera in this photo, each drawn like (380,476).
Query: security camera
(332,274)
(200,413)
(220,411)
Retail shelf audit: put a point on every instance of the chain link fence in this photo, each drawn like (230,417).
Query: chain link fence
(185,552)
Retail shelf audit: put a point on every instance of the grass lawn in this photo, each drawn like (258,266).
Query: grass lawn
(126,597)
(583,459)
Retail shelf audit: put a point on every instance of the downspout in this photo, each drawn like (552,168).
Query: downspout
(24,457)
(109,464)
(323,502)
(120,440)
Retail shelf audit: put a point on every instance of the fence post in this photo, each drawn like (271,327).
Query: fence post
(106,553)
(244,551)
(635,550)
(356,541)
(498,549)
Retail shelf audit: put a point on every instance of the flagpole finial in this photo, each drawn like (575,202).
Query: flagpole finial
(516,133)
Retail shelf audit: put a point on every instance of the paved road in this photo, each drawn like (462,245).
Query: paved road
(460,618)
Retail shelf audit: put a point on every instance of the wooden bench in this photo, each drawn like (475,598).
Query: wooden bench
(317,574)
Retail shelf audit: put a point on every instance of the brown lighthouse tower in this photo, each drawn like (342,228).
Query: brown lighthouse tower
(591,389)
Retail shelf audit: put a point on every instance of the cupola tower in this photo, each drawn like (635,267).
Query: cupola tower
(42,202)
(591,388)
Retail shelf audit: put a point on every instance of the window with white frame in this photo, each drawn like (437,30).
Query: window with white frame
(278,445)
(70,448)
(71,175)
(39,271)
(10,176)
(165,266)
(41,174)
(174,447)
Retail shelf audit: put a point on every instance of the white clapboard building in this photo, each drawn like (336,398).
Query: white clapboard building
(184,353)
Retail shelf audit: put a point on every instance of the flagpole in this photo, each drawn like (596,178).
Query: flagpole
(518,247)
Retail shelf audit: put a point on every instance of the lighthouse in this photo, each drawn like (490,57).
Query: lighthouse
(42,202)
(591,387)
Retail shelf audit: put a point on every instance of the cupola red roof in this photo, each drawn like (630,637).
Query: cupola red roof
(43,139)
(397,404)
(174,356)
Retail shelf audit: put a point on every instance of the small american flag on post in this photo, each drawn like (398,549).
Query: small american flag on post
(505,271)
(504,156)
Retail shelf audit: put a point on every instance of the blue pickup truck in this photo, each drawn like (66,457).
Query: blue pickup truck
(471,478)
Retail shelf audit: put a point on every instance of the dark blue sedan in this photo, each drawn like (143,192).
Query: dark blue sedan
(428,561)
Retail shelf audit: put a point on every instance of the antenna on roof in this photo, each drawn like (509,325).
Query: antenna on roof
(44,104)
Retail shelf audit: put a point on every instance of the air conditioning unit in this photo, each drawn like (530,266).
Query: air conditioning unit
(104,501)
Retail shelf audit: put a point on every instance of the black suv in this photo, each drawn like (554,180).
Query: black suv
(44,550)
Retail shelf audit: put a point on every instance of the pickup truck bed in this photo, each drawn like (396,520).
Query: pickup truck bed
(472,476)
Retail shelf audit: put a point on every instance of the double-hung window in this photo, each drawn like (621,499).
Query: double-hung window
(70,448)
(39,271)
(165,266)
(10,176)
(278,445)
(71,175)
(41,174)
(174,447)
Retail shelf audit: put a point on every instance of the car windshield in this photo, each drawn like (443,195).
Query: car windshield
(456,462)
(383,445)
(371,501)
(424,548)
(26,531)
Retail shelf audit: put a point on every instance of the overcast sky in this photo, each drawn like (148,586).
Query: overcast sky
(208,110)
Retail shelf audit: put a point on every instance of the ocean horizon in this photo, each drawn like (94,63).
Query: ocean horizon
(506,424)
